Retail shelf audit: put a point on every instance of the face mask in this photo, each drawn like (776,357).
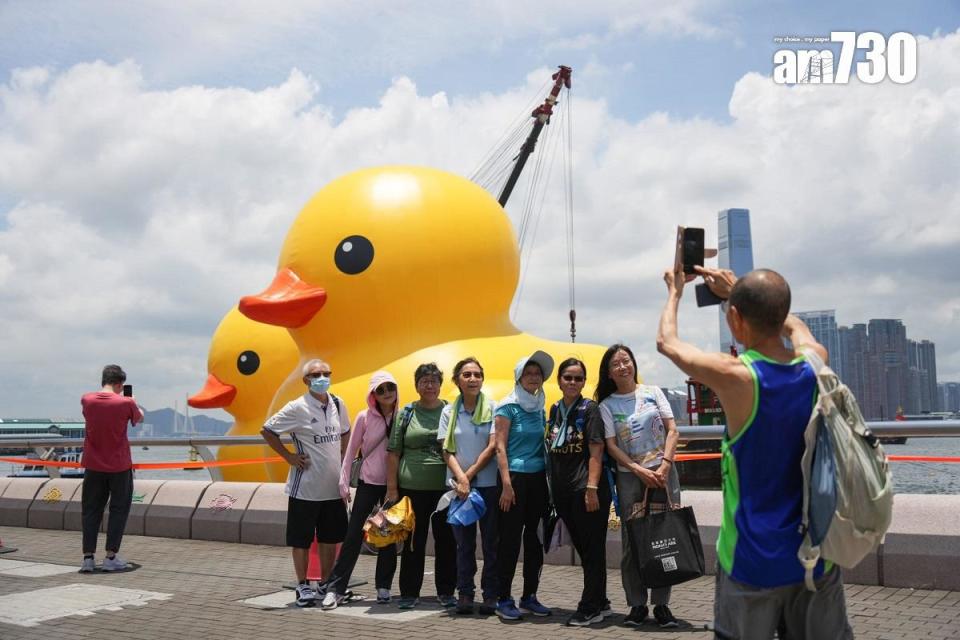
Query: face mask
(319,385)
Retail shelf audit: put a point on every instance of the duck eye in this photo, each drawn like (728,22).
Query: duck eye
(248,362)
(353,255)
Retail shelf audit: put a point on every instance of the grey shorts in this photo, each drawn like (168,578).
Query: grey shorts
(743,612)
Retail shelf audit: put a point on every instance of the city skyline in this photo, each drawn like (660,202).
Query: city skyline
(887,372)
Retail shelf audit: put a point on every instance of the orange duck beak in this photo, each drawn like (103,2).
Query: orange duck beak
(214,395)
(288,302)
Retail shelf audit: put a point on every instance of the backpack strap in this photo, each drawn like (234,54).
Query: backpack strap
(809,554)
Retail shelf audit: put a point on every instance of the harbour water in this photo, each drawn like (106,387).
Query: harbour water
(908,477)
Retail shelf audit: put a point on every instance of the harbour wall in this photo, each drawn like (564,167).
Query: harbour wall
(921,549)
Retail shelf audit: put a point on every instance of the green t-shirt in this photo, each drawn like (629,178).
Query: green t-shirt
(421,461)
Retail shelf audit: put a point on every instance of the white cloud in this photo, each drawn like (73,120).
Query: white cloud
(140,215)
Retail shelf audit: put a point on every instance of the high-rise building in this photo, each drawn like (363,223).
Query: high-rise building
(852,364)
(823,326)
(735,252)
(887,344)
(949,396)
(927,361)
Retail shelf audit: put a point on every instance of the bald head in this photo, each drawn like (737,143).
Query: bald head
(762,297)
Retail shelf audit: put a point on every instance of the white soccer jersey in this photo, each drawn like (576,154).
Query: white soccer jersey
(316,430)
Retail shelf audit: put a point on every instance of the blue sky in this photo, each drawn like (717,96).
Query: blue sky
(354,54)
(153,154)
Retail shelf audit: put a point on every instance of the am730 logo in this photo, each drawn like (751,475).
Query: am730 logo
(894,58)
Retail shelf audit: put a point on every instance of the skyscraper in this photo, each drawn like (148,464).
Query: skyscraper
(735,252)
(927,361)
(887,344)
(853,361)
(823,326)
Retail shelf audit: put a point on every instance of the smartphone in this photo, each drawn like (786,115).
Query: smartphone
(705,297)
(692,249)
(128,390)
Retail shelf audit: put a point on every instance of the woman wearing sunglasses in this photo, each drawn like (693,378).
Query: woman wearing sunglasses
(581,494)
(416,470)
(642,437)
(466,431)
(368,438)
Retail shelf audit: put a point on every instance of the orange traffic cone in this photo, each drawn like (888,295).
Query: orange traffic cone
(4,549)
(314,570)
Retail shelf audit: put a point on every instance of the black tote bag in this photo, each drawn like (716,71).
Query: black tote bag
(666,546)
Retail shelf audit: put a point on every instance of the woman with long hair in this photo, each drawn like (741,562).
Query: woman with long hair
(520,422)
(368,438)
(415,469)
(641,436)
(581,494)
(466,431)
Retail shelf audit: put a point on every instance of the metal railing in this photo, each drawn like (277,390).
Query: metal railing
(43,446)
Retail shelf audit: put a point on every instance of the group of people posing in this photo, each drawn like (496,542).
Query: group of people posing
(522,457)
(519,455)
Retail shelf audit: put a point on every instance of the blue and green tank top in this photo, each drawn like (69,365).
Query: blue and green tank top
(762,482)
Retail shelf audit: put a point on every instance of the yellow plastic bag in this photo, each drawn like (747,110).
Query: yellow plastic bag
(391,526)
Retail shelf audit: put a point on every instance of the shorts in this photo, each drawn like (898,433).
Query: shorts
(743,612)
(327,519)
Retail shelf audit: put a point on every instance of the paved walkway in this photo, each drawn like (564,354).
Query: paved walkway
(194,589)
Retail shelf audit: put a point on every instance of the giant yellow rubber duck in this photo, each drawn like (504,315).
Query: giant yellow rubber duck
(246,364)
(388,267)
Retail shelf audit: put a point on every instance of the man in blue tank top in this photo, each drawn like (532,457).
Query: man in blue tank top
(767,395)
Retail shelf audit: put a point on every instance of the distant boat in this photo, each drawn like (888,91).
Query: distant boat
(41,471)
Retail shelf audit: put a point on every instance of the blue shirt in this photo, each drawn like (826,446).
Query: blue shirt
(471,440)
(525,450)
(762,480)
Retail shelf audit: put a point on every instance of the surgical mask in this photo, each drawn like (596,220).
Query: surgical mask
(319,385)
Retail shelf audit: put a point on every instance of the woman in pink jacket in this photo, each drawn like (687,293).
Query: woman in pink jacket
(369,437)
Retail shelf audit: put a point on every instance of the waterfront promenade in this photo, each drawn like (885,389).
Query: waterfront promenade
(199,589)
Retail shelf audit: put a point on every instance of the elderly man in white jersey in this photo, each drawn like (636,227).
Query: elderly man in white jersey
(316,422)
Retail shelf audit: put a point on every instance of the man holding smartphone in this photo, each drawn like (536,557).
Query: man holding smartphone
(108,474)
(767,394)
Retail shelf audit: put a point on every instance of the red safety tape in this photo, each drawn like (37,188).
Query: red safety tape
(186,464)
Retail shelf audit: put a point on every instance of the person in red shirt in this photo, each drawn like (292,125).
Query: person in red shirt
(108,469)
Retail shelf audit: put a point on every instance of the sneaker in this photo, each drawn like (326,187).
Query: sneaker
(582,619)
(321,589)
(331,600)
(306,596)
(636,617)
(530,604)
(605,610)
(488,607)
(383,596)
(407,603)
(447,601)
(664,617)
(465,605)
(507,610)
(87,566)
(116,563)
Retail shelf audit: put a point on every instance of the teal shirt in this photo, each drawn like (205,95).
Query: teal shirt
(525,450)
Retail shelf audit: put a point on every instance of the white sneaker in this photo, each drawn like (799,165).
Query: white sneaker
(116,563)
(383,596)
(306,596)
(88,566)
(331,601)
